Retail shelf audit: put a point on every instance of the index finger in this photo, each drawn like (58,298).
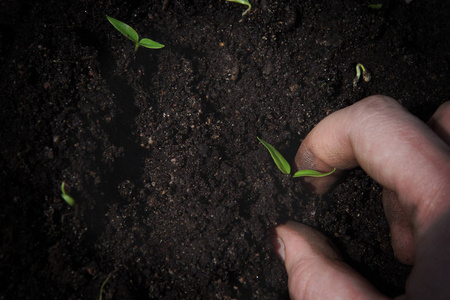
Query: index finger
(394,147)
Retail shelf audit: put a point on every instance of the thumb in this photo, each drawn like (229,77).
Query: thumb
(315,268)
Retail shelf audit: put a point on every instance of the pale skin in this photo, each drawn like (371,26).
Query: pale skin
(411,160)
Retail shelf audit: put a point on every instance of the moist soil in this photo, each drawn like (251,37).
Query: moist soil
(175,197)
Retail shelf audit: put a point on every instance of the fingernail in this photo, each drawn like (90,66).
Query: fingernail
(278,247)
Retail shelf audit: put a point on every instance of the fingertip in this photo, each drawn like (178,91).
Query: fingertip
(306,160)
(402,244)
(315,268)
(402,239)
(329,144)
(277,244)
(294,238)
(440,122)
(322,185)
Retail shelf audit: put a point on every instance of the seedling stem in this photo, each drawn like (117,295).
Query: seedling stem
(102,286)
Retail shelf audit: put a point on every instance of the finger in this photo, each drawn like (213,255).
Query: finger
(314,267)
(440,122)
(401,235)
(392,146)
(430,276)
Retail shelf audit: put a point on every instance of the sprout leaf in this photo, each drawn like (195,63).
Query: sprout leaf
(244,2)
(375,6)
(148,43)
(281,163)
(311,173)
(124,29)
(284,166)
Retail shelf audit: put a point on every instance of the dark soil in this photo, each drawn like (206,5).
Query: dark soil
(175,196)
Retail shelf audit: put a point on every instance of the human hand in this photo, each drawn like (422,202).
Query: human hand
(412,161)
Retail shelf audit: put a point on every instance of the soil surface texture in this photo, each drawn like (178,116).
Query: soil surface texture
(175,197)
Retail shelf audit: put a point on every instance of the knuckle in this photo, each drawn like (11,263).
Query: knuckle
(379,103)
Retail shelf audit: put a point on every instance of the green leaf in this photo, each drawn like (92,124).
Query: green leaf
(244,2)
(66,196)
(148,43)
(375,6)
(279,160)
(124,29)
(311,173)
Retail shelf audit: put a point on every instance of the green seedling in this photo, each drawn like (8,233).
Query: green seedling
(102,286)
(375,6)
(284,166)
(366,74)
(130,33)
(243,2)
(66,196)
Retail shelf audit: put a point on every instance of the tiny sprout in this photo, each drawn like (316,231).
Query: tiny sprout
(244,2)
(375,6)
(365,73)
(66,196)
(284,166)
(102,286)
(130,33)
